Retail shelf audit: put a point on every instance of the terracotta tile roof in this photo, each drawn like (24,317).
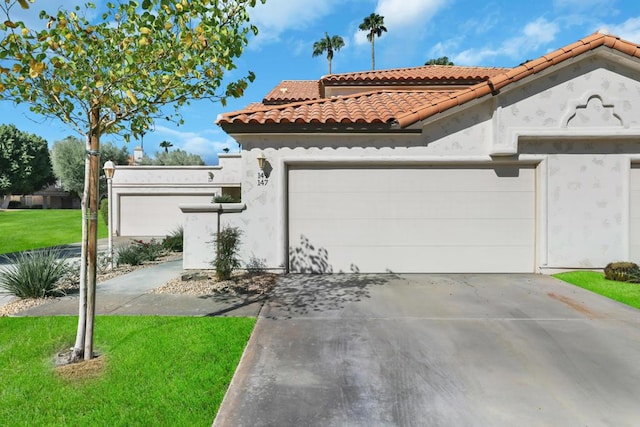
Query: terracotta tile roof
(408,107)
(289,91)
(424,74)
(370,107)
(497,82)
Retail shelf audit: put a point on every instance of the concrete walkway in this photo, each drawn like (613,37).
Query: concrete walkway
(128,295)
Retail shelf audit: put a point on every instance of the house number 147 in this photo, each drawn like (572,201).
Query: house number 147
(262,179)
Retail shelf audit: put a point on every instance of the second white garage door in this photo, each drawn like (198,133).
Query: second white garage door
(415,219)
(154,215)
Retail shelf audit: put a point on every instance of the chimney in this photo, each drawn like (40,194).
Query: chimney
(138,153)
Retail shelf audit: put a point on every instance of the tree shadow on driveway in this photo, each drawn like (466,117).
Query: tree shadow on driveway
(304,294)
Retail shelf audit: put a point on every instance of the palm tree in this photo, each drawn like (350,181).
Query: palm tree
(374,24)
(329,44)
(166,145)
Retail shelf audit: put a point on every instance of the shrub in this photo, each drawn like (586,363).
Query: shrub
(129,255)
(151,250)
(174,241)
(224,198)
(33,274)
(139,252)
(622,272)
(227,243)
(104,210)
(256,265)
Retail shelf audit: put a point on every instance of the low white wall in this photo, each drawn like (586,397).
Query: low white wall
(202,222)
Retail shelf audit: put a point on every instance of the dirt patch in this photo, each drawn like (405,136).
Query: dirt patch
(18,305)
(205,283)
(79,371)
(575,305)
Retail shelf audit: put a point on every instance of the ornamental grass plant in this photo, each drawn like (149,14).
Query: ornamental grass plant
(33,274)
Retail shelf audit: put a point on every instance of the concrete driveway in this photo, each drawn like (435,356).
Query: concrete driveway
(437,350)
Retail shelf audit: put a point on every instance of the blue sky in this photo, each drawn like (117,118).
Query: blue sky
(500,33)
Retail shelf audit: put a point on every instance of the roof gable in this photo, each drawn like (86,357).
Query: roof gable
(494,84)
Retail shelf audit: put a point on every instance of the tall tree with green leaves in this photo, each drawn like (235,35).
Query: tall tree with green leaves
(374,26)
(443,60)
(176,157)
(328,44)
(24,162)
(114,75)
(67,158)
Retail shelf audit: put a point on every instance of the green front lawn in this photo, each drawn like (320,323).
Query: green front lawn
(40,228)
(164,371)
(626,293)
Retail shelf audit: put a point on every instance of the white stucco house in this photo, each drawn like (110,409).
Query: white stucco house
(447,169)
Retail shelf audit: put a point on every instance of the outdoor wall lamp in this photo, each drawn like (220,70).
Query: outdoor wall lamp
(262,161)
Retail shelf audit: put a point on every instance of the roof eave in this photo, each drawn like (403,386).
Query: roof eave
(267,128)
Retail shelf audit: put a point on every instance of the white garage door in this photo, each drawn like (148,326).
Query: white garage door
(634,214)
(154,214)
(417,219)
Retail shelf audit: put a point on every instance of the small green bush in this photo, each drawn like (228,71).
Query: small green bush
(174,241)
(104,210)
(227,243)
(139,252)
(256,265)
(33,274)
(224,198)
(622,272)
(129,255)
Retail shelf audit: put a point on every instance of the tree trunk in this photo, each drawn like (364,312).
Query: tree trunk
(92,246)
(78,347)
(329,66)
(373,52)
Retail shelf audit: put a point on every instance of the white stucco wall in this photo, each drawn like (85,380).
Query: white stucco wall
(578,123)
(146,198)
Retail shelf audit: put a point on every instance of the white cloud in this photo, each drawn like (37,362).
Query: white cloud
(444,48)
(206,144)
(535,34)
(403,16)
(277,16)
(400,14)
(474,56)
(540,32)
(628,30)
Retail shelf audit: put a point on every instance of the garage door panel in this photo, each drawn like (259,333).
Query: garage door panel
(433,260)
(391,219)
(389,180)
(153,214)
(634,214)
(423,204)
(423,232)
